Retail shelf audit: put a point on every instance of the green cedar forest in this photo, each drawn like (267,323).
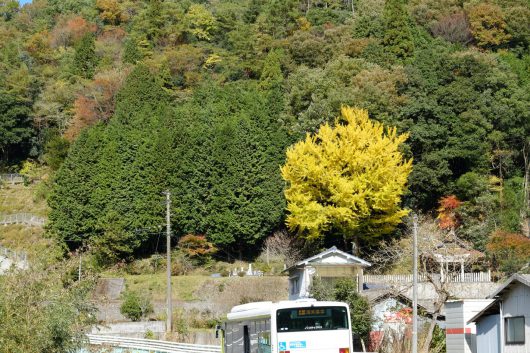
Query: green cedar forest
(125,99)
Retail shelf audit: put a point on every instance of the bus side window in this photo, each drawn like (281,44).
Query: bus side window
(264,342)
(246,340)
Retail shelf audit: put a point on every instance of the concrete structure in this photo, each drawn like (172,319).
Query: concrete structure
(131,329)
(461,334)
(328,265)
(504,325)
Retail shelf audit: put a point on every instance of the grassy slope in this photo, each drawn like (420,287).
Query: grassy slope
(20,199)
(201,287)
(183,287)
(23,199)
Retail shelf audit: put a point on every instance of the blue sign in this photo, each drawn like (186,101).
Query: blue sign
(297,344)
(282,346)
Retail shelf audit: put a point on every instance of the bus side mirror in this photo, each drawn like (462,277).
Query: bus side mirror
(217,329)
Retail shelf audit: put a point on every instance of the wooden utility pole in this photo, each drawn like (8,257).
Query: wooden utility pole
(168,260)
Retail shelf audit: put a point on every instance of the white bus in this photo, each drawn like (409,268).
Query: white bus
(300,326)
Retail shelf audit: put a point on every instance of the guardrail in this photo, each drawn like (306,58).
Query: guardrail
(22,218)
(10,259)
(12,178)
(151,345)
(17,256)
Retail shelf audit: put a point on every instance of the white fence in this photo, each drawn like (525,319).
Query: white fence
(22,218)
(16,256)
(12,178)
(10,259)
(151,345)
(473,277)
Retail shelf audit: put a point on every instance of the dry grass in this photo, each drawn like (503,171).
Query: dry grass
(183,287)
(216,295)
(24,199)
(28,239)
(20,198)
(219,295)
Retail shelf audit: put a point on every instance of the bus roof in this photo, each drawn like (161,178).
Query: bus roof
(265,309)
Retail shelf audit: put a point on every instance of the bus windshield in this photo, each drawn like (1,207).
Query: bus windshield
(312,319)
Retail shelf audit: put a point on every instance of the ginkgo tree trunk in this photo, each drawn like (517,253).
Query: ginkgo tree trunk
(346,179)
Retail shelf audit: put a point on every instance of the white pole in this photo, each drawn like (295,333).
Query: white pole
(415,289)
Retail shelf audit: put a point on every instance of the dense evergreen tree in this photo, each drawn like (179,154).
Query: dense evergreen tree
(15,127)
(397,36)
(131,54)
(219,155)
(85,58)
(117,175)
(227,184)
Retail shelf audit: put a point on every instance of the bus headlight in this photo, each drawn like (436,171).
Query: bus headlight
(344,350)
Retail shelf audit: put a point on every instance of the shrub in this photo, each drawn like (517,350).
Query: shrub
(196,247)
(181,264)
(149,335)
(181,324)
(135,306)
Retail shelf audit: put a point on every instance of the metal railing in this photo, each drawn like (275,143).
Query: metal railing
(151,345)
(473,277)
(22,218)
(16,256)
(12,178)
(10,259)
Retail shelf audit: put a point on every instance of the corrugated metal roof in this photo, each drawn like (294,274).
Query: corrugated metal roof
(516,278)
(376,295)
(493,308)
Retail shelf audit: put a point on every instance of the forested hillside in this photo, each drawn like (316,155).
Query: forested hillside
(123,100)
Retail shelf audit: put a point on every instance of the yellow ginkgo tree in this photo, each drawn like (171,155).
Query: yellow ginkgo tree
(346,179)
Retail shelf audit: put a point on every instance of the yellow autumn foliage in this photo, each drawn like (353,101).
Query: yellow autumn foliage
(348,178)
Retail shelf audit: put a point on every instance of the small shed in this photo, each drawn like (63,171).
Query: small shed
(329,266)
(504,325)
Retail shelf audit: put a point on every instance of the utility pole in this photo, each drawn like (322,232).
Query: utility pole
(415,287)
(168,260)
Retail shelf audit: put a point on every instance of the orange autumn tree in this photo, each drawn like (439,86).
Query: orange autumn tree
(510,251)
(197,247)
(97,103)
(448,217)
(69,30)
